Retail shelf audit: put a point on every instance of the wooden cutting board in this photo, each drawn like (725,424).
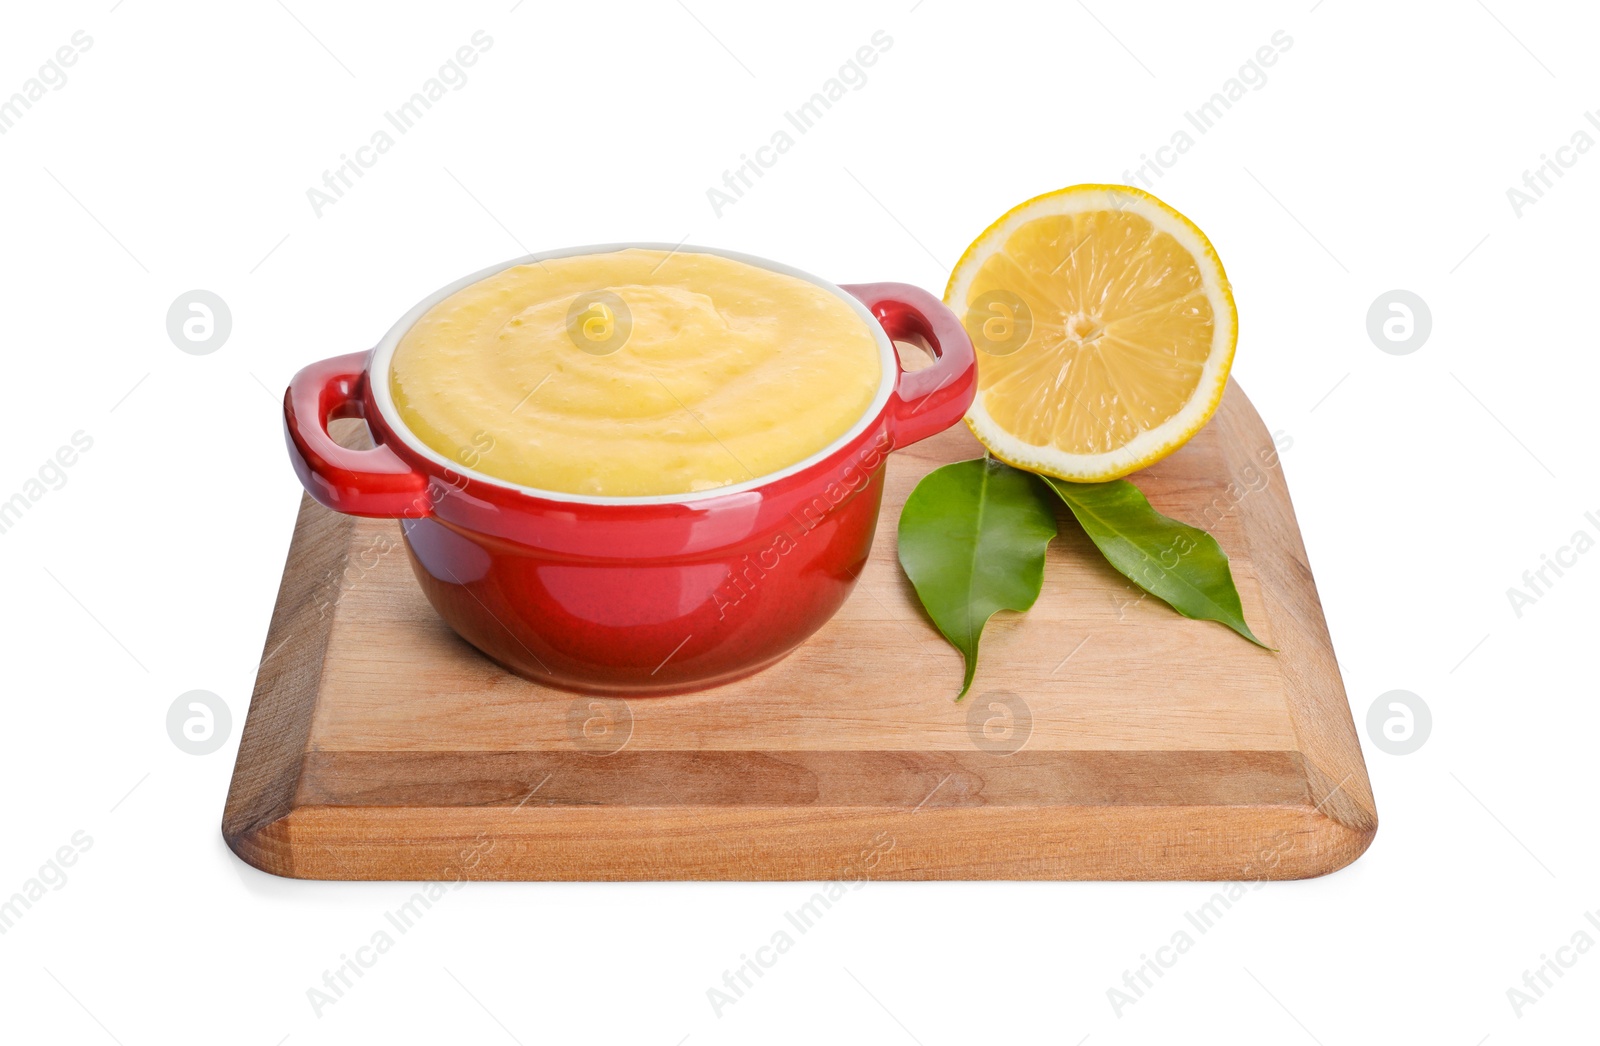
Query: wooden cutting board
(1106,737)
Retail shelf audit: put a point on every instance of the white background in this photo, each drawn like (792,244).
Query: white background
(1377,155)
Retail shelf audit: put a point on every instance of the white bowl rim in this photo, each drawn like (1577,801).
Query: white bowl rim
(383,353)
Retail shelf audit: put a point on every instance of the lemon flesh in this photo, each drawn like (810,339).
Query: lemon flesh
(1105,327)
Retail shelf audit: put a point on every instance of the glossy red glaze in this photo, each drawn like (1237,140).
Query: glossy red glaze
(627,597)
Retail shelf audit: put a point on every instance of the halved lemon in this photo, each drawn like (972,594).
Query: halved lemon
(1105,327)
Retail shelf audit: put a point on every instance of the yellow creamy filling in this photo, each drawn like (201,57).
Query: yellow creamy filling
(637,372)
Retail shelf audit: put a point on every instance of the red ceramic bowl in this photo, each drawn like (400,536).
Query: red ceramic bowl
(633,595)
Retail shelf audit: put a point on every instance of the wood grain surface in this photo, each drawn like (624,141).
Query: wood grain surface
(1105,737)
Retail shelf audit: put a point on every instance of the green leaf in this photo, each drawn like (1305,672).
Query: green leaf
(972,541)
(1179,564)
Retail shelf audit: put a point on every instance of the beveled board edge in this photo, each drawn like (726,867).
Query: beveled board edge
(272,747)
(592,843)
(1325,731)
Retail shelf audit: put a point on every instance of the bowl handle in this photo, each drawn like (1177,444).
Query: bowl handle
(930,400)
(373,482)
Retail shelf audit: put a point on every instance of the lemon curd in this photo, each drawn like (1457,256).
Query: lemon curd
(635,372)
